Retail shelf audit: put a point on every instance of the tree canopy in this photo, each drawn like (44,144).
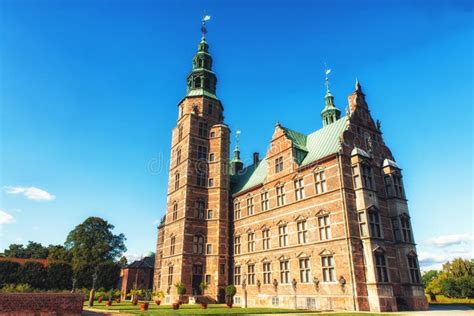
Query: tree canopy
(456,279)
(93,243)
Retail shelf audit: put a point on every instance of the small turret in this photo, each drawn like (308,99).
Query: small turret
(330,113)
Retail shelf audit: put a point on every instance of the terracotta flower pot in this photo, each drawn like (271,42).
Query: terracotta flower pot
(100,299)
(203,305)
(229,305)
(158,302)
(144,306)
(175,305)
(108,303)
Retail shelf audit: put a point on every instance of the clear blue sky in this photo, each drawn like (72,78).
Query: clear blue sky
(89,93)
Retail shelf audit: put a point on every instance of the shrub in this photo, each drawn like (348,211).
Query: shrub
(59,275)
(230,290)
(34,274)
(180,288)
(16,288)
(8,272)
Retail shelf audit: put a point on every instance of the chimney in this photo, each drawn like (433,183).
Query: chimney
(256,159)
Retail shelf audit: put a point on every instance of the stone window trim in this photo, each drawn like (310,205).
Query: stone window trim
(175,211)
(237,210)
(266,238)
(302,228)
(176,180)
(250,205)
(282,234)
(374,220)
(285,269)
(320,182)
(250,241)
(280,194)
(328,266)
(323,219)
(199,240)
(267,271)
(278,164)
(382,271)
(200,210)
(394,187)
(237,274)
(264,200)
(298,183)
(413,268)
(237,245)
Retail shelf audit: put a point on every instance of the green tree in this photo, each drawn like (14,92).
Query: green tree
(93,243)
(428,276)
(36,250)
(8,272)
(108,274)
(123,261)
(34,274)
(16,251)
(59,275)
(58,253)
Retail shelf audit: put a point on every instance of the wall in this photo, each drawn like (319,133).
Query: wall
(41,303)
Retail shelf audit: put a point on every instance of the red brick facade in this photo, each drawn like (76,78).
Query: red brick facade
(333,233)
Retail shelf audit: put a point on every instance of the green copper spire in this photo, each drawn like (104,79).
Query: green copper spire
(202,80)
(330,113)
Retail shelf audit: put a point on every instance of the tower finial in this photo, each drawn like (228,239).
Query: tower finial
(204,19)
(327,72)
(357,85)
(237,134)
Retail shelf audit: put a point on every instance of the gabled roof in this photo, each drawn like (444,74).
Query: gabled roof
(317,145)
(147,262)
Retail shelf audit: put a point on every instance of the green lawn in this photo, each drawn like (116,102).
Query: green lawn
(213,309)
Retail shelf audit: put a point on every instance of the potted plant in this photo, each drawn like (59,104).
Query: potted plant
(203,286)
(181,289)
(117,296)
(147,298)
(134,295)
(109,300)
(230,291)
(159,295)
(100,296)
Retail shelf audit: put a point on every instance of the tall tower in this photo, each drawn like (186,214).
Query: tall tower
(192,242)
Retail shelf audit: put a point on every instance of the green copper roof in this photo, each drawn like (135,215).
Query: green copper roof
(318,144)
(201,92)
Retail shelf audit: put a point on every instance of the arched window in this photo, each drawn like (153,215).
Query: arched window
(198,244)
(197,82)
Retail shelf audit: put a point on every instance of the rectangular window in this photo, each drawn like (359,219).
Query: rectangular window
(213,134)
(211,157)
(362,224)
(264,198)
(267,273)
(176,181)
(237,275)
(251,274)
(324,227)
(201,153)
(237,210)
(284,272)
(172,247)
(208,278)
(381,267)
(201,178)
(250,206)
(210,183)
(175,211)
(200,209)
(406,230)
(178,156)
(280,192)
(302,232)
(367,180)
(209,109)
(414,270)
(397,233)
(299,189)
(304,270)
(320,182)
(170,275)
(278,164)
(397,185)
(329,275)
(283,235)
(356,177)
(275,301)
(237,245)
(180,133)
(388,186)
(202,130)
(209,214)
(209,249)
(251,242)
(374,224)
(222,268)
(266,239)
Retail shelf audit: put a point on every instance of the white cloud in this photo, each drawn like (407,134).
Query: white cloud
(6,218)
(132,256)
(31,193)
(451,240)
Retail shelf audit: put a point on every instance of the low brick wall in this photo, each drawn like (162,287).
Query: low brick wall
(44,304)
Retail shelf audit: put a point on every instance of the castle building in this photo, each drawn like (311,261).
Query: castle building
(321,222)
